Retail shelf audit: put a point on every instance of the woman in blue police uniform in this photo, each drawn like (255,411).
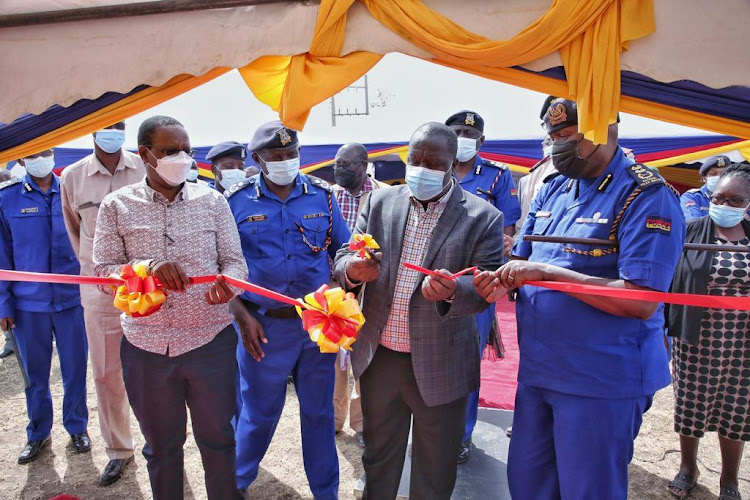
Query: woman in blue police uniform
(493,182)
(695,202)
(289,225)
(33,238)
(589,365)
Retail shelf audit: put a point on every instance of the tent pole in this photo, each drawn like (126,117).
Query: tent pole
(125,10)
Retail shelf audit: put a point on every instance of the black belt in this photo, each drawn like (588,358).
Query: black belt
(288,312)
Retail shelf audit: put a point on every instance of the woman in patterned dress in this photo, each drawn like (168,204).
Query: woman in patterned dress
(711,351)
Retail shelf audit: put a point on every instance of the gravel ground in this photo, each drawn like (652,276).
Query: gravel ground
(282,476)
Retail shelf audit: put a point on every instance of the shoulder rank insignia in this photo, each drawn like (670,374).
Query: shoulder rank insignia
(496,164)
(551,176)
(644,176)
(320,183)
(10,182)
(239,187)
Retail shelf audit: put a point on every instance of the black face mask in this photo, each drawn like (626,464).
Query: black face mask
(345,178)
(566,159)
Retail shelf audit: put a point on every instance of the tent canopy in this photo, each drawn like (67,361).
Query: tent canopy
(99,71)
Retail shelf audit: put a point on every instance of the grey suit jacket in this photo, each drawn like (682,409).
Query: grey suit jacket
(444,338)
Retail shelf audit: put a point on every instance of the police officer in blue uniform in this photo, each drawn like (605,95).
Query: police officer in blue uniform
(589,365)
(33,238)
(289,226)
(695,201)
(493,182)
(227,164)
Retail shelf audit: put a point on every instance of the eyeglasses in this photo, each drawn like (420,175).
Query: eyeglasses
(732,202)
(171,152)
(347,165)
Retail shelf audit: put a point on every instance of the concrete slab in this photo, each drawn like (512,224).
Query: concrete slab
(484,476)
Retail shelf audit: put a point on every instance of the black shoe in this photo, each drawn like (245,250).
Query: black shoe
(464,453)
(360,439)
(31,451)
(509,431)
(81,442)
(7,350)
(114,470)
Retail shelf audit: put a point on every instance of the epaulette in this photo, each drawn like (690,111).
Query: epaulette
(537,164)
(693,190)
(551,176)
(496,164)
(10,182)
(239,187)
(320,183)
(644,176)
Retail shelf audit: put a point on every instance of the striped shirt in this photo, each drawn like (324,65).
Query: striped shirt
(417,236)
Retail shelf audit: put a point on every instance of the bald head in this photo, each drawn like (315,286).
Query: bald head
(433,146)
(353,151)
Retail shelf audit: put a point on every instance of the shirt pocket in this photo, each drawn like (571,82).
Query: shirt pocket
(541,225)
(315,232)
(257,238)
(143,242)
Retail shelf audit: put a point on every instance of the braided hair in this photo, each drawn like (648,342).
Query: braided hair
(740,171)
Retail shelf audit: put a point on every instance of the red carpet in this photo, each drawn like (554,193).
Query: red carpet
(499,378)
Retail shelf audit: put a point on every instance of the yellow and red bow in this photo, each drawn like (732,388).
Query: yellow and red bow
(140,294)
(332,317)
(363,244)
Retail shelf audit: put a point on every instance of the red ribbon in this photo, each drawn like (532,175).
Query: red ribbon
(684,299)
(428,272)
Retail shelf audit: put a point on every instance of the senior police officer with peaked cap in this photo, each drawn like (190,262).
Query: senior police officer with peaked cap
(227,164)
(695,201)
(589,365)
(289,224)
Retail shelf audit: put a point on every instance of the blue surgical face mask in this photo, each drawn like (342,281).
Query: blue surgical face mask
(192,175)
(110,139)
(726,216)
(231,177)
(40,166)
(424,183)
(711,182)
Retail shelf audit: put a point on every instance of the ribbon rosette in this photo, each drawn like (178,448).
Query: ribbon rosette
(332,317)
(363,244)
(140,294)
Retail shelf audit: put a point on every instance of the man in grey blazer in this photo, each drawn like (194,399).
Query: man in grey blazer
(416,355)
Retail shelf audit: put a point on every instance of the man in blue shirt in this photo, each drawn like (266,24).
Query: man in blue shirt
(695,202)
(589,365)
(33,238)
(289,225)
(493,182)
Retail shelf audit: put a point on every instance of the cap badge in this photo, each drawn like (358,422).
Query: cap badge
(557,114)
(470,119)
(284,137)
(720,163)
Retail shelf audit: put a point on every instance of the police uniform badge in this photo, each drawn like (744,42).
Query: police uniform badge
(470,120)
(284,137)
(720,162)
(557,114)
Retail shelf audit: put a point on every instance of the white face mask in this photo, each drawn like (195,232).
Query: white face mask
(231,177)
(467,149)
(282,173)
(174,169)
(40,166)
(711,182)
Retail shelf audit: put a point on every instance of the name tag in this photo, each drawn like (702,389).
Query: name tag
(32,210)
(543,215)
(257,218)
(591,220)
(313,216)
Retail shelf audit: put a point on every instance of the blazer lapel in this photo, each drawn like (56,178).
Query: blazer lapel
(399,214)
(448,220)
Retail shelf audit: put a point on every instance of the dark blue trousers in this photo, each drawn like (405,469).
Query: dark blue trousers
(34,333)
(484,323)
(263,384)
(572,447)
(159,389)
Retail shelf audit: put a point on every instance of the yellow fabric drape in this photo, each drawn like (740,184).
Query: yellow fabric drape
(590,34)
(292,85)
(113,113)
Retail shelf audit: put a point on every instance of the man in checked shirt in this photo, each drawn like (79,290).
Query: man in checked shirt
(183,354)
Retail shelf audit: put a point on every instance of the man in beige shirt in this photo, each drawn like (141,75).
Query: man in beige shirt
(84,186)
